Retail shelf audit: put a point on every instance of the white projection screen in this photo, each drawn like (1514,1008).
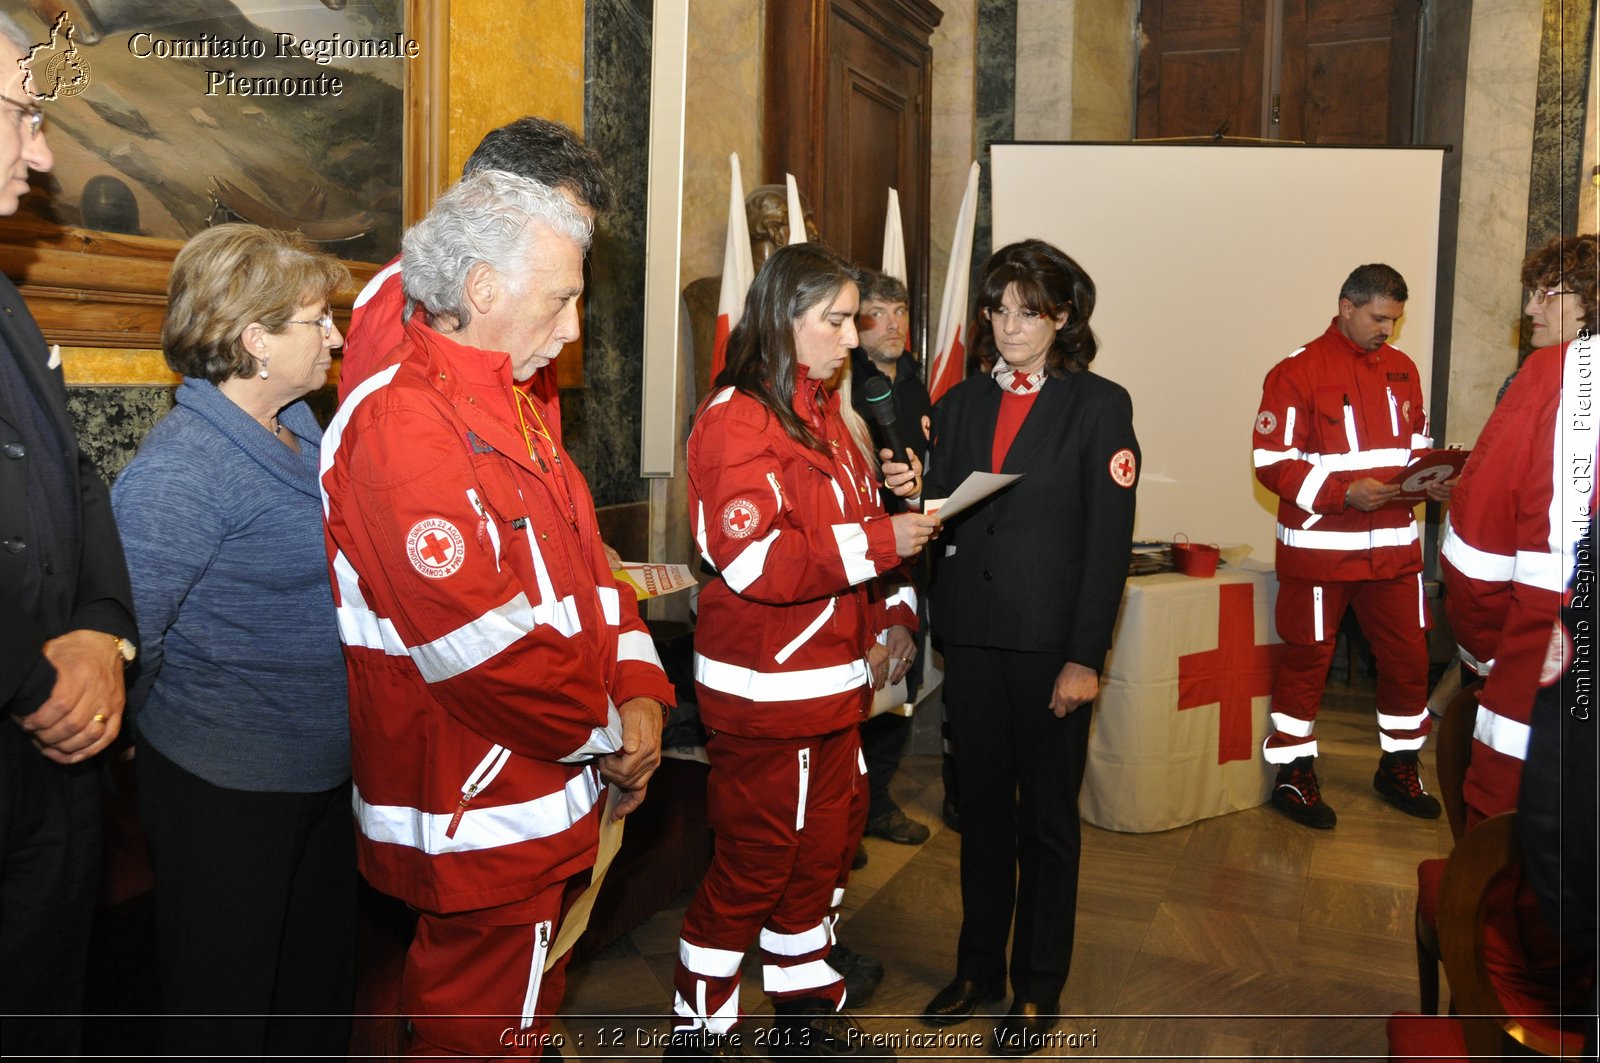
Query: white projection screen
(1213,263)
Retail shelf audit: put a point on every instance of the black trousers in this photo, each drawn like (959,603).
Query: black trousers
(1021,768)
(883,743)
(255,914)
(49,881)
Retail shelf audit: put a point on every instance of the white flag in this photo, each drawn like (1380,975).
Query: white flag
(894,240)
(950,352)
(738,270)
(797,215)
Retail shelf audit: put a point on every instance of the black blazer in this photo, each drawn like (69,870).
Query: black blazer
(1040,565)
(103,600)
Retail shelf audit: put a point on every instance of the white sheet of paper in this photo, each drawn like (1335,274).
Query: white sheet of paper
(974,489)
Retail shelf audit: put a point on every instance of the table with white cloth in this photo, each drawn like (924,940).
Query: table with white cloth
(1183,704)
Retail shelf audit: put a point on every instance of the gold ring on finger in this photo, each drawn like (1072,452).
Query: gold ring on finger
(100,717)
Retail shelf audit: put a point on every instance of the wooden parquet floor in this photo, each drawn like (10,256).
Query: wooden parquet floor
(1240,937)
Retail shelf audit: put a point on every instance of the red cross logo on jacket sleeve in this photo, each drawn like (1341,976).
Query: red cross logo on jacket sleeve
(1123,467)
(435,548)
(740,518)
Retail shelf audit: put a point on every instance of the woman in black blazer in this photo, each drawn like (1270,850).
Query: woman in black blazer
(1025,598)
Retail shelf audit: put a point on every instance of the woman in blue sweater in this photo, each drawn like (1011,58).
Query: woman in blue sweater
(243,738)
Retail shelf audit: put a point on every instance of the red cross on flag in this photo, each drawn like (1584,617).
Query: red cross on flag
(1183,703)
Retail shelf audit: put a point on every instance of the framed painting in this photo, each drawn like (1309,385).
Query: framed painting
(166,116)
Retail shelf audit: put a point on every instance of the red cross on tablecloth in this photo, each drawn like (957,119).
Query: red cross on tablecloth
(1230,675)
(436,548)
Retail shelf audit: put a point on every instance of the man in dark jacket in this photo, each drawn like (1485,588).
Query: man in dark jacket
(66,621)
(883,323)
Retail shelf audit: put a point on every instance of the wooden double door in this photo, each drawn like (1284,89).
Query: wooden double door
(1317,71)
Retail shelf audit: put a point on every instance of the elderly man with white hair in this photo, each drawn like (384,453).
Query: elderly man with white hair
(499,677)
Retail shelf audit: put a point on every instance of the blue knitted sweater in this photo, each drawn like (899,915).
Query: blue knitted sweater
(240,677)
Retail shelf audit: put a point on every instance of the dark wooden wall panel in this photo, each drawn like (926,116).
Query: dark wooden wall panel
(848,88)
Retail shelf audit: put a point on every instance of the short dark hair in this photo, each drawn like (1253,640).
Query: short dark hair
(761,355)
(547,152)
(1569,262)
(884,287)
(1373,281)
(1048,282)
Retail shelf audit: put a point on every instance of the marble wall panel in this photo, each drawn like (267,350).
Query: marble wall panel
(1557,173)
(1045,59)
(510,60)
(1496,145)
(1105,56)
(1589,190)
(952,149)
(995,100)
(601,421)
(722,109)
(1442,93)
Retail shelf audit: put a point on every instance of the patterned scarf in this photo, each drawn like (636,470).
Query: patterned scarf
(1016,381)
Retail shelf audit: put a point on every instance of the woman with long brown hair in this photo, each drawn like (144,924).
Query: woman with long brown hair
(793,636)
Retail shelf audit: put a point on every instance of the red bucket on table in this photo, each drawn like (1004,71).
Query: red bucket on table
(1194,559)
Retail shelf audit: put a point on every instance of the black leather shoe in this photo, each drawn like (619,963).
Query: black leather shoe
(1025,1029)
(957,1001)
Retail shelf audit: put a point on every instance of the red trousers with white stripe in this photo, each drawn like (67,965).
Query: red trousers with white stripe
(1394,617)
(781,811)
(475,983)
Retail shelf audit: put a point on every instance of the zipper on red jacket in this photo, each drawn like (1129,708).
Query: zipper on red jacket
(461,809)
(481,777)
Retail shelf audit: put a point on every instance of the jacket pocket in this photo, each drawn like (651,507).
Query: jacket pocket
(1335,431)
(805,635)
(476,783)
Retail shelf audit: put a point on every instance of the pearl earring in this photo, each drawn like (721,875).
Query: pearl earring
(263,368)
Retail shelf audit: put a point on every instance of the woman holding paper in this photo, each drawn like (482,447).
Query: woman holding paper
(793,636)
(1025,597)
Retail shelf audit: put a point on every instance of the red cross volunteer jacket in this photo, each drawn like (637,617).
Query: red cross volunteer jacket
(1332,414)
(799,540)
(1510,544)
(486,642)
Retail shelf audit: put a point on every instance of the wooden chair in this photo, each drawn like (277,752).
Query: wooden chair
(1484,853)
(1480,1027)
(1452,749)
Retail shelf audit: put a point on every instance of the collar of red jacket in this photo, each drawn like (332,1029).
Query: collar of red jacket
(811,399)
(453,367)
(1348,346)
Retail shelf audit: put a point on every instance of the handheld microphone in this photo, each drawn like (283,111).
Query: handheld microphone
(880,403)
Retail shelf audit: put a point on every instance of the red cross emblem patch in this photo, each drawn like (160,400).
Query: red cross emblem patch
(1124,467)
(740,518)
(1266,422)
(435,547)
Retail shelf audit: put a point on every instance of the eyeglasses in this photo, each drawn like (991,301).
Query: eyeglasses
(1540,296)
(1000,315)
(28,114)
(326,321)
